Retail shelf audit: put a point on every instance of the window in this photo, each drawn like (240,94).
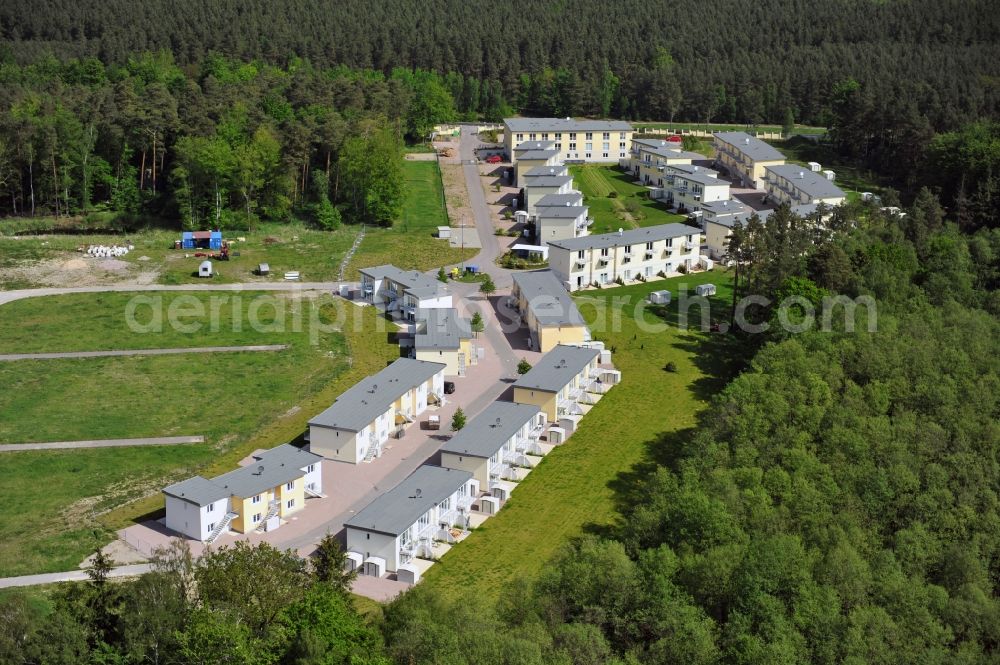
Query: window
(588,146)
(424,520)
(590,136)
(559,146)
(310,468)
(622,136)
(606,146)
(606,136)
(531,136)
(211,527)
(587,155)
(628,249)
(256,518)
(582,254)
(445,505)
(604,155)
(572,146)
(649,245)
(604,278)
(545,136)
(572,136)
(604,252)
(558,136)
(290,485)
(211,508)
(520,137)
(290,503)
(622,145)
(256,499)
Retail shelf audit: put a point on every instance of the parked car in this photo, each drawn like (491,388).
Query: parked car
(449,387)
(493,159)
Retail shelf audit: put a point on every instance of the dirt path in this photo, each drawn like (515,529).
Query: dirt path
(101,443)
(9,357)
(10,296)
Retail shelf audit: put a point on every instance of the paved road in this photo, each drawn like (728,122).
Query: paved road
(7,357)
(10,296)
(70,576)
(101,443)
(486,258)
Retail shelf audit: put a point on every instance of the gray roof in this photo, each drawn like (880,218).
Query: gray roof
(555,169)
(197,490)
(547,181)
(751,146)
(484,435)
(630,237)
(398,509)
(525,146)
(548,299)
(666,149)
(370,397)
(537,155)
(557,368)
(742,216)
(565,125)
(411,280)
(813,184)
(443,329)
(561,212)
(575,198)
(272,468)
(702,178)
(727,207)
(690,168)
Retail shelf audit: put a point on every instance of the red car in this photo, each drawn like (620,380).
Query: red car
(494,159)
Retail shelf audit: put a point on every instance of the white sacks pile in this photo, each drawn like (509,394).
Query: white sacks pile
(107,251)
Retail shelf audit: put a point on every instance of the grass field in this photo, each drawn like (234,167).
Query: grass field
(576,487)
(411,242)
(598,181)
(63,504)
(716,127)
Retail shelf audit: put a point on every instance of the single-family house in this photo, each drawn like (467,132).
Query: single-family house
(442,336)
(503,434)
(533,156)
(557,381)
(797,185)
(537,187)
(254,497)
(403,292)
(547,310)
(643,252)
(561,222)
(745,157)
(356,426)
(402,523)
(575,140)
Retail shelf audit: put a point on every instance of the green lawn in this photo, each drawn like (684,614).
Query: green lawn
(716,127)
(59,501)
(598,181)
(411,242)
(573,489)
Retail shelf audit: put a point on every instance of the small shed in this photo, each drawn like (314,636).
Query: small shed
(815,167)
(374,566)
(489,505)
(659,297)
(201,240)
(444,231)
(205,269)
(706,262)
(353,561)
(407,573)
(263,269)
(705,289)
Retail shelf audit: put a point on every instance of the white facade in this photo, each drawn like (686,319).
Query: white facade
(797,185)
(196,522)
(574,140)
(579,268)
(560,224)
(536,188)
(692,187)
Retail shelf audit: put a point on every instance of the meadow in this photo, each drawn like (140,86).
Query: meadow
(615,201)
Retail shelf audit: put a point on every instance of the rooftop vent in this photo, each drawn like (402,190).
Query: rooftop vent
(621,231)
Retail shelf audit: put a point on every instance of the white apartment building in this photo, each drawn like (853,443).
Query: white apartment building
(745,157)
(574,140)
(561,223)
(649,157)
(402,292)
(540,186)
(645,252)
(691,187)
(797,185)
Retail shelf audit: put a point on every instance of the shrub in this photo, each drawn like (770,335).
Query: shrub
(661,274)
(670,367)
(682,269)
(619,281)
(613,194)
(523,367)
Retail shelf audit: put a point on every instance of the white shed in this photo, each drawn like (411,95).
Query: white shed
(407,573)
(815,167)
(489,505)
(374,566)
(444,232)
(353,561)
(706,262)
(705,289)
(659,297)
(205,269)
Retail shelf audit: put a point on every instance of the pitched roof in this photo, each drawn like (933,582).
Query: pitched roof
(554,169)
(691,168)
(630,237)
(548,299)
(561,212)
(272,468)
(442,329)
(573,198)
(557,368)
(751,146)
(485,434)
(526,146)
(815,185)
(533,155)
(547,180)
(411,280)
(742,216)
(565,125)
(395,511)
(702,178)
(370,397)
(666,149)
